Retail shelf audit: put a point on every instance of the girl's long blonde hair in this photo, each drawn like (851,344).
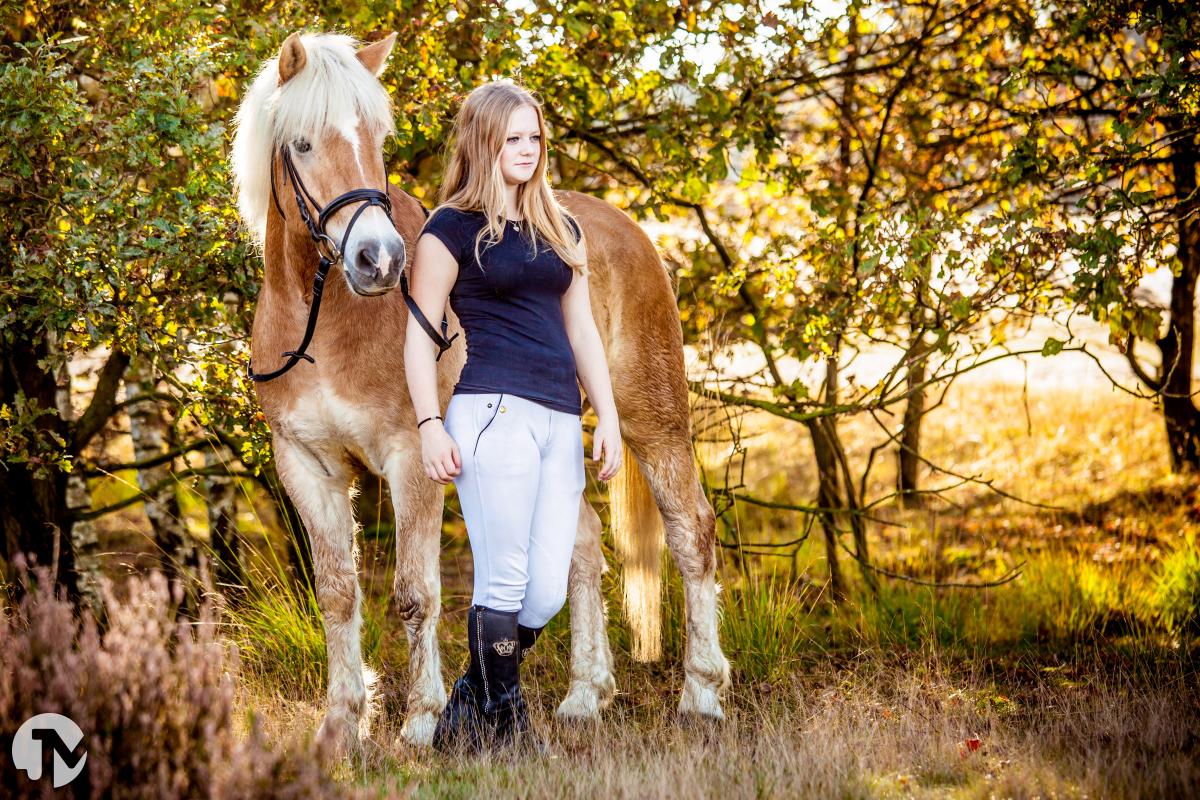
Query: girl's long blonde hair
(474,182)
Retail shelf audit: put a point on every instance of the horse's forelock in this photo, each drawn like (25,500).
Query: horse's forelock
(332,87)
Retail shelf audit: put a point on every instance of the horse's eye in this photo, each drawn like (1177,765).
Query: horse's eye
(302,146)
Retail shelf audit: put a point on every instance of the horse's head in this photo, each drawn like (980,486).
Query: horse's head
(314,122)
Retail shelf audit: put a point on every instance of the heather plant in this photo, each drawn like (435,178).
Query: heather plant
(154,698)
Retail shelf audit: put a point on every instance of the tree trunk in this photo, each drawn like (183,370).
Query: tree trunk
(829,485)
(82,532)
(221,493)
(908,457)
(151,438)
(1177,346)
(33,497)
(829,495)
(851,505)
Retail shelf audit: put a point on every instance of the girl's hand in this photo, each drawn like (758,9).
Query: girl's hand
(607,439)
(439,453)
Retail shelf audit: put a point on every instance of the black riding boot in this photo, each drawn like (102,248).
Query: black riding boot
(527,636)
(505,715)
(461,723)
(530,741)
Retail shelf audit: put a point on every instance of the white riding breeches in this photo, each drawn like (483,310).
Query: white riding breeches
(520,485)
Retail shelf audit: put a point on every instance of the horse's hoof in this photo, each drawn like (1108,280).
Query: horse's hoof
(700,702)
(337,738)
(418,729)
(582,704)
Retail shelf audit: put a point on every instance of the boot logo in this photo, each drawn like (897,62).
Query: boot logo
(525,651)
(505,647)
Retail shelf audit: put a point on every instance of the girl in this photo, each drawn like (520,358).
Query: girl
(512,262)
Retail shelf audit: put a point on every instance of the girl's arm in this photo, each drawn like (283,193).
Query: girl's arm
(434,271)
(592,367)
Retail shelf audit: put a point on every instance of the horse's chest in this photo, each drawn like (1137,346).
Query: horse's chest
(330,425)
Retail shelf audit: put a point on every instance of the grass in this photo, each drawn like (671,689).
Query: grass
(1176,594)
(281,639)
(1077,679)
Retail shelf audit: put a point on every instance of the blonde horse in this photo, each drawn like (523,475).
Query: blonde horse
(311,183)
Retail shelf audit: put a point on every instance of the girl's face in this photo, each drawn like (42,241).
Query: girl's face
(522,146)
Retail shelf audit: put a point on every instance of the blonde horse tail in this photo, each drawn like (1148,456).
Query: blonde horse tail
(637,530)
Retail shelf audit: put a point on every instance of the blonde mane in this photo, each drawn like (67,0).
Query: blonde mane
(333,86)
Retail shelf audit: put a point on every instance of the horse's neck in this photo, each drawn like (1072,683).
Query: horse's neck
(289,261)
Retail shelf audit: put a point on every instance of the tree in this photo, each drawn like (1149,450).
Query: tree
(113,244)
(1108,126)
(838,204)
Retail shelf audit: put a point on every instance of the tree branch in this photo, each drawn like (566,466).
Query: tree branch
(158,460)
(1008,577)
(80,514)
(103,401)
(1155,384)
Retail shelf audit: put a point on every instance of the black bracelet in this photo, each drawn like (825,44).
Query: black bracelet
(422,422)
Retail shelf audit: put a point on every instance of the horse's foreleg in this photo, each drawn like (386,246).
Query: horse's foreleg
(592,683)
(320,488)
(418,504)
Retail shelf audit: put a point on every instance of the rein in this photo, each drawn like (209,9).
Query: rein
(331,254)
(443,344)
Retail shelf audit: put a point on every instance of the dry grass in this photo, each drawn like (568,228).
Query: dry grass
(867,727)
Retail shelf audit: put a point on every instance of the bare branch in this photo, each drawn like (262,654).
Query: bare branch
(103,401)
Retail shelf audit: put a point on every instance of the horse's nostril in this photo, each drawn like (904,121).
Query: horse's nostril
(366,262)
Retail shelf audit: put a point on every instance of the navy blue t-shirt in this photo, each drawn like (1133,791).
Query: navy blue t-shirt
(511,312)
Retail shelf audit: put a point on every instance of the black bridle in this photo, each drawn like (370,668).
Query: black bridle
(331,254)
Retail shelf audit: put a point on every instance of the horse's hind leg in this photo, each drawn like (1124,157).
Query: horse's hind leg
(690,528)
(320,488)
(418,504)
(592,683)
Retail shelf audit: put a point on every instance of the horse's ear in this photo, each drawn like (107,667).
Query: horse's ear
(375,55)
(292,58)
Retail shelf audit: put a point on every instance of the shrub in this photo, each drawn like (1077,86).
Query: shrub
(153,697)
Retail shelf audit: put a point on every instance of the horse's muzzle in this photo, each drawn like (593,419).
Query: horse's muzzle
(374,266)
